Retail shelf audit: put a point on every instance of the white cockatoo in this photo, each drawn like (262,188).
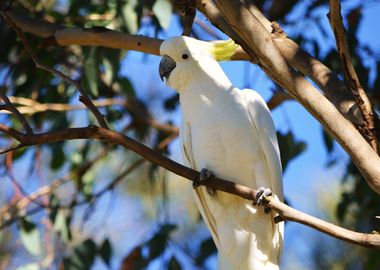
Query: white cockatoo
(228,132)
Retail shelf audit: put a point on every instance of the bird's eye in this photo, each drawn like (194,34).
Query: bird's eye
(185,56)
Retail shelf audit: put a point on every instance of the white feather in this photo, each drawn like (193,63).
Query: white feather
(231,133)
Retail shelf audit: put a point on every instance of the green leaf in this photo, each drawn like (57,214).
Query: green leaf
(163,11)
(127,87)
(130,16)
(105,251)
(157,243)
(171,103)
(82,257)
(289,147)
(62,225)
(206,249)
(54,207)
(108,71)
(135,260)
(58,157)
(29,266)
(90,66)
(174,264)
(328,140)
(30,237)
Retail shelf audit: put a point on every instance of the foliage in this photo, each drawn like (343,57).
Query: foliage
(85,167)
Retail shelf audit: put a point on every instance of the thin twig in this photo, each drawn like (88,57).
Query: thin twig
(10,212)
(277,99)
(285,212)
(8,215)
(30,106)
(260,44)
(189,15)
(84,98)
(14,110)
(350,75)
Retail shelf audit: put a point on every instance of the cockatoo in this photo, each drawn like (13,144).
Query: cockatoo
(229,132)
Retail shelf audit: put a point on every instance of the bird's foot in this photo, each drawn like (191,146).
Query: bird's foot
(204,176)
(261,196)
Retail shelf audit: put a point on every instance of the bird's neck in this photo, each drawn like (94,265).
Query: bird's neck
(204,90)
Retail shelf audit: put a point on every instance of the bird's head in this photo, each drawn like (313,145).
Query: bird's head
(185,58)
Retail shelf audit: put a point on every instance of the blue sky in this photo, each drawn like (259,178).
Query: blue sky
(304,180)
(307,176)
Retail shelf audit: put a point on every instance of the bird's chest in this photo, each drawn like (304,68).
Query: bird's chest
(221,138)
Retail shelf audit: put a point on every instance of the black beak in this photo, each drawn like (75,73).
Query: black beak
(167,64)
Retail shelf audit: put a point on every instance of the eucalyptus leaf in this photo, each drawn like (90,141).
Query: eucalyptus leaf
(29,266)
(91,72)
(130,16)
(163,11)
(82,256)
(62,225)
(289,147)
(206,249)
(108,71)
(157,243)
(174,264)
(328,140)
(105,251)
(30,237)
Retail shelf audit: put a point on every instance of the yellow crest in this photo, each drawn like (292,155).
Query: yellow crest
(223,50)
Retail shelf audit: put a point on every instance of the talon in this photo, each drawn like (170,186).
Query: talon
(267,210)
(204,176)
(210,191)
(261,195)
(196,184)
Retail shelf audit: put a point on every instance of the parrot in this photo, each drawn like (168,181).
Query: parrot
(229,133)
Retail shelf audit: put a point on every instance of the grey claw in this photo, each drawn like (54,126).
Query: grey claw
(261,195)
(210,191)
(204,176)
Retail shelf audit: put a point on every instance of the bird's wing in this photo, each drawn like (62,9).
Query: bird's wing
(263,123)
(200,192)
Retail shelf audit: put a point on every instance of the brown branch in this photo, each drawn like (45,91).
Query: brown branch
(285,212)
(248,27)
(364,157)
(84,98)
(136,164)
(11,132)
(277,99)
(334,89)
(9,212)
(350,75)
(327,81)
(189,15)
(14,110)
(30,106)
(90,37)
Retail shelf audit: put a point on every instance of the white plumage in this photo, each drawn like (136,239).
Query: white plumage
(231,133)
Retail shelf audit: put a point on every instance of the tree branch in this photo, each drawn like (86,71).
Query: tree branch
(327,81)
(15,111)
(334,89)
(30,106)
(84,98)
(248,27)
(10,212)
(277,99)
(350,75)
(285,212)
